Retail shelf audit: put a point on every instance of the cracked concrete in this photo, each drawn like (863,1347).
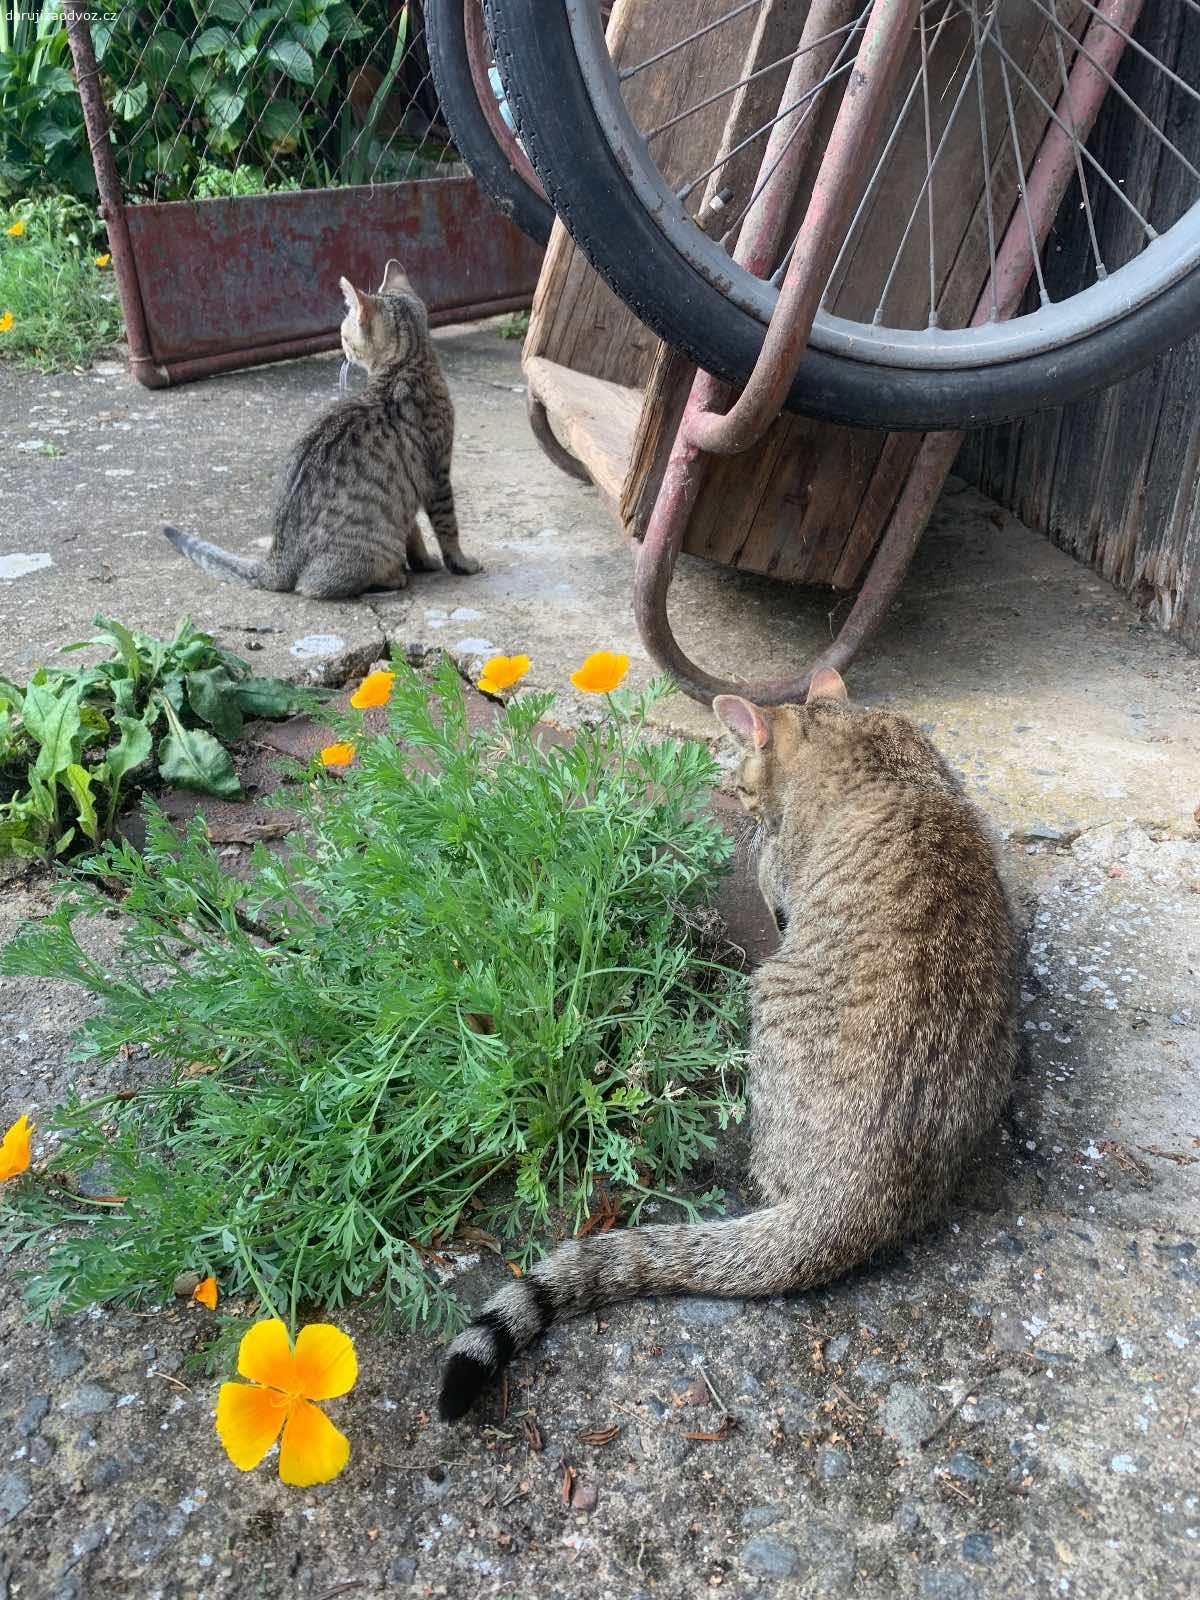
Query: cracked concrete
(1009,1407)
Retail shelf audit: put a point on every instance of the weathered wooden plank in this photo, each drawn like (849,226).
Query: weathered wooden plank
(1113,479)
(595,419)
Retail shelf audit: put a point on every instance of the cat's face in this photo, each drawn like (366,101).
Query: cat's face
(384,329)
(799,762)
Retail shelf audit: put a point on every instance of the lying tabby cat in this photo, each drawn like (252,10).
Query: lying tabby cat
(346,511)
(882,1038)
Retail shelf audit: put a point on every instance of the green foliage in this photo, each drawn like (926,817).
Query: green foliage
(63,306)
(260,94)
(43,144)
(210,98)
(477,963)
(71,737)
(515,326)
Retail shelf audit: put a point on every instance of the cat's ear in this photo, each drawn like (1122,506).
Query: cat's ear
(356,301)
(744,721)
(827,685)
(395,280)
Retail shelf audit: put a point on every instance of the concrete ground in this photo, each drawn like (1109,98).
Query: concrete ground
(1010,1407)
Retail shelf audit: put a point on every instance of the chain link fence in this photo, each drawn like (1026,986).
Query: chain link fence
(212,98)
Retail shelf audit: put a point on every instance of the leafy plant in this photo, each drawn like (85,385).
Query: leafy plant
(62,304)
(514,326)
(43,144)
(476,970)
(70,739)
(293,91)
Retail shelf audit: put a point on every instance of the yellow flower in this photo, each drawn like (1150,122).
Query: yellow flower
(206,1292)
(6,322)
(601,672)
(373,690)
(501,672)
(17,229)
(102,261)
(14,1151)
(283,1384)
(337,755)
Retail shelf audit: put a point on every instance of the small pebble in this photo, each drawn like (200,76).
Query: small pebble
(771,1557)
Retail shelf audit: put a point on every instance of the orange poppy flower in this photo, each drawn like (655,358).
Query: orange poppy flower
(206,1292)
(284,1382)
(337,755)
(14,1150)
(501,672)
(102,261)
(373,690)
(601,672)
(6,322)
(17,229)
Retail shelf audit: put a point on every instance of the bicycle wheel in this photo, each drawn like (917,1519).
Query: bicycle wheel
(896,349)
(470,94)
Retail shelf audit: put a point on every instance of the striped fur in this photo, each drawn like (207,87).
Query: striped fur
(345,516)
(882,1031)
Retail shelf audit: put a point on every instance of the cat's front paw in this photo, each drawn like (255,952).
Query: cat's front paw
(462,564)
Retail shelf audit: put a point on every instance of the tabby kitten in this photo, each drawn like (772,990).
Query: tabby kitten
(882,1033)
(346,509)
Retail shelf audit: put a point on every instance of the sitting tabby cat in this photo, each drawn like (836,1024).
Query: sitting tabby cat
(346,510)
(882,1040)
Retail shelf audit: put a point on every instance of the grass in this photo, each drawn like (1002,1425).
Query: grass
(64,307)
(514,326)
(470,999)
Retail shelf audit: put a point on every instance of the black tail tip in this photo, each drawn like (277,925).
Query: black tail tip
(463,1381)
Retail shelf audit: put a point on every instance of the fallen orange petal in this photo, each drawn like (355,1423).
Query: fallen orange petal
(14,1150)
(206,1293)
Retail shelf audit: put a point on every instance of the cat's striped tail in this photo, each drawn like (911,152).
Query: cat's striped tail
(212,559)
(765,1252)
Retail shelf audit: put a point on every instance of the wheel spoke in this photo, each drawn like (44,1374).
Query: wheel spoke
(987,160)
(839,69)
(877,174)
(937,155)
(1132,44)
(717,22)
(1101,271)
(1115,88)
(1035,252)
(1148,229)
(808,95)
(750,77)
(928,169)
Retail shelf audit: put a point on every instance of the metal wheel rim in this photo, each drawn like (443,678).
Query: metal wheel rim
(479,53)
(1160,264)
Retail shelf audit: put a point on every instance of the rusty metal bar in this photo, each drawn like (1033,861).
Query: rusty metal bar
(112,202)
(1049,179)
(791,137)
(260,355)
(839,184)
(545,435)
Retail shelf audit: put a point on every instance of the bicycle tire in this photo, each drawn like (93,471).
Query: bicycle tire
(445,33)
(562,134)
